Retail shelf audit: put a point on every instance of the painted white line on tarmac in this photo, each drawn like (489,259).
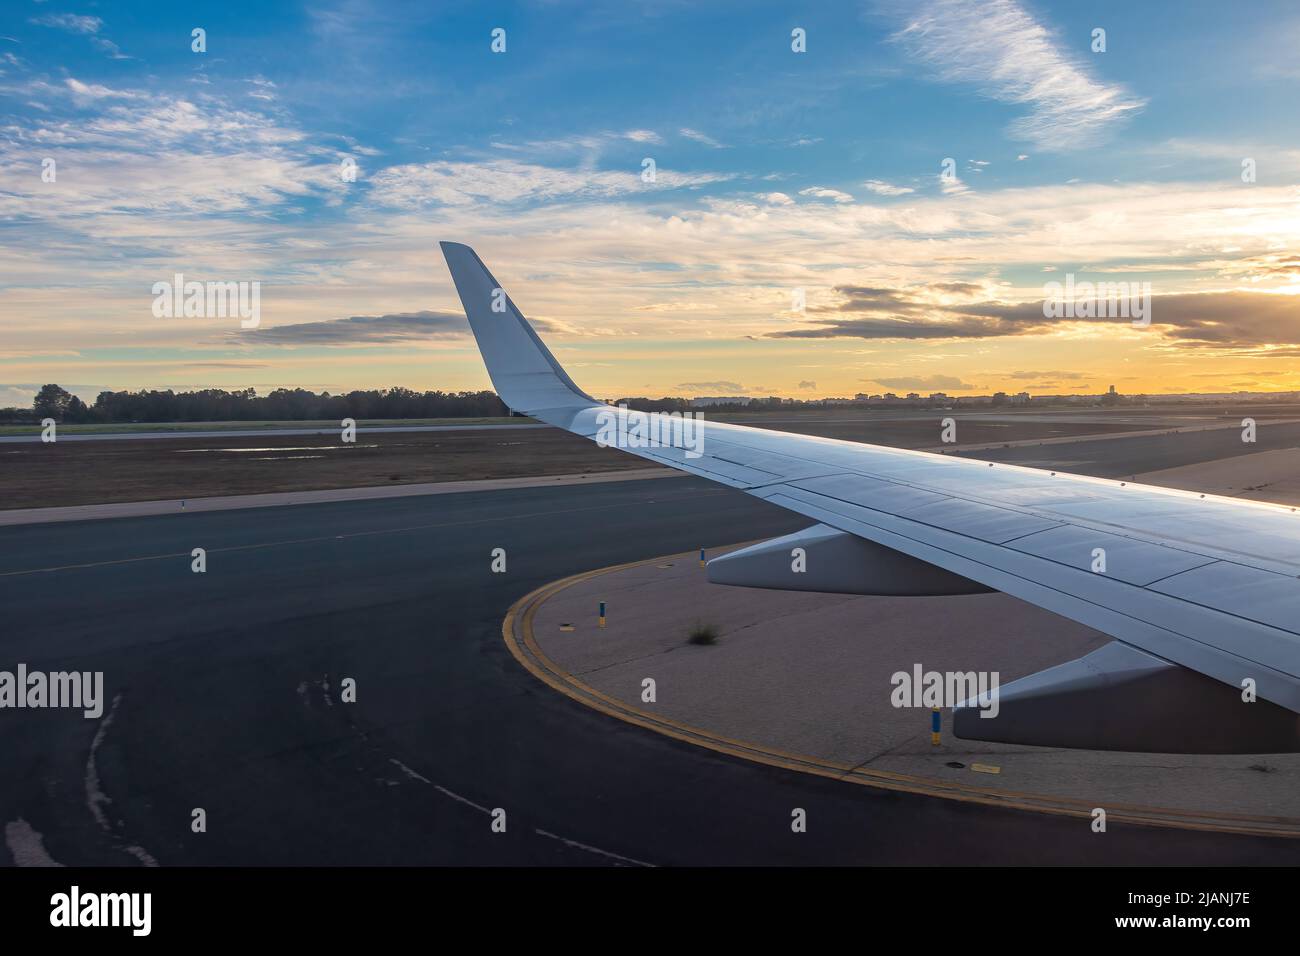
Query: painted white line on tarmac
(414,775)
(140,509)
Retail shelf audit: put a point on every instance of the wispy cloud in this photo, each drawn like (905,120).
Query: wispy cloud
(1009,56)
(1258,324)
(84,25)
(262,88)
(85,92)
(236,178)
(719,386)
(1034,376)
(697,136)
(507,181)
(952,185)
(144,153)
(643,136)
(363,329)
(822,192)
(71,22)
(922,382)
(881,188)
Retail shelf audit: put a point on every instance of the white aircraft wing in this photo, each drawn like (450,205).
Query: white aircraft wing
(1200,592)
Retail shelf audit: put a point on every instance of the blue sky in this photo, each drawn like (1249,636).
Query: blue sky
(776,171)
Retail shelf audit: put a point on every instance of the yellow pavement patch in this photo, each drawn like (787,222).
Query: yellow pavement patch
(517,631)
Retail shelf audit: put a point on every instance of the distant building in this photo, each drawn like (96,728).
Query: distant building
(706,401)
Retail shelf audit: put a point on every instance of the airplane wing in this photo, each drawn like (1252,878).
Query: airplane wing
(1199,592)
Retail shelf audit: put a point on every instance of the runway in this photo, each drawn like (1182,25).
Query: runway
(224,690)
(1121,457)
(181,433)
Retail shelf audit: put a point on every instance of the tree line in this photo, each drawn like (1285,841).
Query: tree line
(292,404)
(283,404)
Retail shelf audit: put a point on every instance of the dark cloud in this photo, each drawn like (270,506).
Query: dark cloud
(1242,321)
(917,382)
(882,313)
(397,327)
(1251,323)
(866,299)
(225,365)
(958,288)
(712,386)
(1263,266)
(1054,374)
(905,328)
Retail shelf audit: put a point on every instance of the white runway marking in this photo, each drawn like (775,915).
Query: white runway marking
(26,846)
(540,832)
(97,800)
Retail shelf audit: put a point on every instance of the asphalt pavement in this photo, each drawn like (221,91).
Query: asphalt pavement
(226,694)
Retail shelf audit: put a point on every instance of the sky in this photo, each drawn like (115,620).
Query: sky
(881,211)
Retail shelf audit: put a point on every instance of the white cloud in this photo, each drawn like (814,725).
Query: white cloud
(96,91)
(699,137)
(149,185)
(86,26)
(882,188)
(952,185)
(822,192)
(139,153)
(643,136)
(263,89)
(71,22)
(1006,54)
(506,181)
(112,49)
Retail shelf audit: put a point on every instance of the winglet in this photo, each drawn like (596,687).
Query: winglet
(523,370)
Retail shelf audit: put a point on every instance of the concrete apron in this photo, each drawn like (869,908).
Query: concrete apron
(803,681)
